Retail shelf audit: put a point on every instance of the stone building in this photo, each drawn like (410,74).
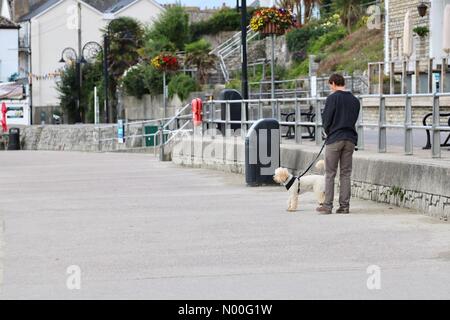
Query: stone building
(424,47)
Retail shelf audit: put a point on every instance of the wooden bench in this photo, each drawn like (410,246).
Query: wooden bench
(446,142)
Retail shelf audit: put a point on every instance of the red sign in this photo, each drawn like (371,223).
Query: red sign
(4,110)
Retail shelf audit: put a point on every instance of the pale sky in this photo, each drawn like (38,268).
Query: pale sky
(204,3)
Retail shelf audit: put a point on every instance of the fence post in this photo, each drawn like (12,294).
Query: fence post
(391,78)
(298,127)
(443,73)
(212,127)
(99,139)
(408,130)
(161,141)
(115,141)
(243,119)
(380,78)
(260,111)
(360,125)
(381,125)
(417,74)
(318,135)
(436,142)
(227,120)
(404,77)
(143,135)
(430,75)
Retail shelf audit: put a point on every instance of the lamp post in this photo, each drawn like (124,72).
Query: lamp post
(89,52)
(244,78)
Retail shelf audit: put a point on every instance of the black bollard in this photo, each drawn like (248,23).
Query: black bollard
(262,152)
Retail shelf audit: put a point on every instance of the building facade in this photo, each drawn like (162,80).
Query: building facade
(424,65)
(9,35)
(50,28)
(429,46)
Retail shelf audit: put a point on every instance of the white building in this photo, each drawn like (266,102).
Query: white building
(52,27)
(9,38)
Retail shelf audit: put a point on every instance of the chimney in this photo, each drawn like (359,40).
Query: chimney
(20,8)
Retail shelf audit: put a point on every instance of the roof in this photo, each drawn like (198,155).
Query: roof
(119,5)
(7,24)
(125,3)
(104,6)
(39,9)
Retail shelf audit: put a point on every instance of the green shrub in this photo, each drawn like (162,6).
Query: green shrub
(234,84)
(182,85)
(142,79)
(153,80)
(153,47)
(225,19)
(299,69)
(133,81)
(298,39)
(173,24)
(327,39)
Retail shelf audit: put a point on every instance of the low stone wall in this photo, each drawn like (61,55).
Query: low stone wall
(77,138)
(383,178)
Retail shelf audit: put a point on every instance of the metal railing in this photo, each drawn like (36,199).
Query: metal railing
(217,115)
(229,47)
(301,87)
(212,120)
(168,129)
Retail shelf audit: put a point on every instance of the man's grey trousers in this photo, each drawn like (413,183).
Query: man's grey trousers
(338,153)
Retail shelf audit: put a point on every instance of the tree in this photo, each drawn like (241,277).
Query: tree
(309,7)
(153,47)
(173,24)
(350,11)
(68,93)
(126,39)
(286,4)
(67,88)
(297,6)
(197,54)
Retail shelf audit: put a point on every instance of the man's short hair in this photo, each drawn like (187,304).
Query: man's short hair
(337,79)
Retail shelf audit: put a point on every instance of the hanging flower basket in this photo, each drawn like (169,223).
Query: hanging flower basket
(272,21)
(272,28)
(165,62)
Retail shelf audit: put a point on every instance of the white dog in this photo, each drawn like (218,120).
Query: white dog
(295,186)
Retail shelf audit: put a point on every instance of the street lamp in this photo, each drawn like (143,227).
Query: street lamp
(244,78)
(422,8)
(88,54)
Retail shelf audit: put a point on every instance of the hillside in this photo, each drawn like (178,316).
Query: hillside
(353,52)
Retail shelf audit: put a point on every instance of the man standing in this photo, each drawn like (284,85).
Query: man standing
(339,119)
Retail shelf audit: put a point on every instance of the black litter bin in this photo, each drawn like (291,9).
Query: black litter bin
(235,108)
(262,152)
(14,139)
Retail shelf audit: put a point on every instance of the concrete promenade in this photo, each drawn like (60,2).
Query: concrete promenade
(139,228)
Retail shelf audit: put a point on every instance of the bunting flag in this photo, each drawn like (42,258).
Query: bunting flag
(47,76)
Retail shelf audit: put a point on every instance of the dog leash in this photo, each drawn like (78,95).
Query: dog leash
(314,161)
